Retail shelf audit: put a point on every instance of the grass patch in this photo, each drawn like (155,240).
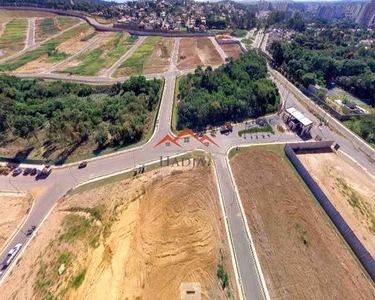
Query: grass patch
(94,61)
(240,33)
(223,276)
(47,48)
(66,22)
(174,121)
(267,128)
(77,280)
(88,37)
(135,63)
(14,36)
(247,43)
(302,234)
(280,128)
(356,201)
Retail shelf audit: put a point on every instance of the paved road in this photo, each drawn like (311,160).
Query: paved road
(30,38)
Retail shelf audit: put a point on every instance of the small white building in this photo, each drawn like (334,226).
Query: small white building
(297,121)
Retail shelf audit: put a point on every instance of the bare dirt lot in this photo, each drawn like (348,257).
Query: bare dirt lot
(301,255)
(133,239)
(13,209)
(7,15)
(233,51)
(160,58)
(194,52)
(350,189)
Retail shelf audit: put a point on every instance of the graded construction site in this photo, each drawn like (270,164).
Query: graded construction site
(301,254)
(139,238)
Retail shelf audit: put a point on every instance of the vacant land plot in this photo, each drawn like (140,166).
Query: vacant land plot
(301,255)
(95,61)
(233,51)
(13,209)
(12,40)
(66,22)
(134,239)
(7,15)
(48,27)
(350,189)
(197,51)
(48,51)
(152,56)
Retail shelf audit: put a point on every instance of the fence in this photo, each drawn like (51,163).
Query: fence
(347,233)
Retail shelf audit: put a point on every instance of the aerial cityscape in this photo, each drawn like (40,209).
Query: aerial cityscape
(178,149)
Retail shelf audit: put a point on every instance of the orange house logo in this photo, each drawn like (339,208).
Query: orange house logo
(204,139)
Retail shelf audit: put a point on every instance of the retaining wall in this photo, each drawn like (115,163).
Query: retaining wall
(347,233)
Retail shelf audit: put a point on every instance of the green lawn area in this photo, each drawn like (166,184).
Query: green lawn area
(134,64)
(240,33)
(247,42)
(94,61)
(267,128)
(47,48)
(13,38)
(66,22)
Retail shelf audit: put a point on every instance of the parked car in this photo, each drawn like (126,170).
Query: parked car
(27,171)
(33,171)
(82,165)
(17,171)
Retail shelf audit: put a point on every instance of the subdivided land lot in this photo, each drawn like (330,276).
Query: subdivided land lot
(103,55)
(152,56)
(197,52)
(233,51)
(138,238)
(350,189)
(47,27)
(46,55)
(302,256)
(12,37)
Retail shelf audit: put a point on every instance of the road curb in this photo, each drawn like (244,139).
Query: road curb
(248,233)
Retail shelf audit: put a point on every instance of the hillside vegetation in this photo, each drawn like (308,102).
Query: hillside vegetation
(236,90)
(52,119)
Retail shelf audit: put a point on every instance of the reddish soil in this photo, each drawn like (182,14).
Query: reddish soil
(232,50)
(301,254)
(194,52)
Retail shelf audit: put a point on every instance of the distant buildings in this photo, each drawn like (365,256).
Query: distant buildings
(366,15)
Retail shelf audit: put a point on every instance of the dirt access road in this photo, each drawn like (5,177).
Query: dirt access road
(350,189)
(134,239)
(301,255)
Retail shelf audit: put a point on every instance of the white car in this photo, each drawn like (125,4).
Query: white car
(11,255)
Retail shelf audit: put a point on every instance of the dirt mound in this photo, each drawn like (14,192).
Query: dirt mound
(301,255)
(134,239)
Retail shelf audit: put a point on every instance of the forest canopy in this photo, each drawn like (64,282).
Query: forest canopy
(236,90)
(62,115)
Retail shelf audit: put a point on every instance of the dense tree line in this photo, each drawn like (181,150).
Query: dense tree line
(90,6)
(236,90)
(69,114)
(330,55)
(364,127)
(282,19)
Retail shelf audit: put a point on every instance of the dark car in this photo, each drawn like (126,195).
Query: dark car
(33,171)
(82,165)
(27,171)
(17,171)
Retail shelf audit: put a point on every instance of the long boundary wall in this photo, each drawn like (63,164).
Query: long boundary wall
(115,28)
(347,233)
